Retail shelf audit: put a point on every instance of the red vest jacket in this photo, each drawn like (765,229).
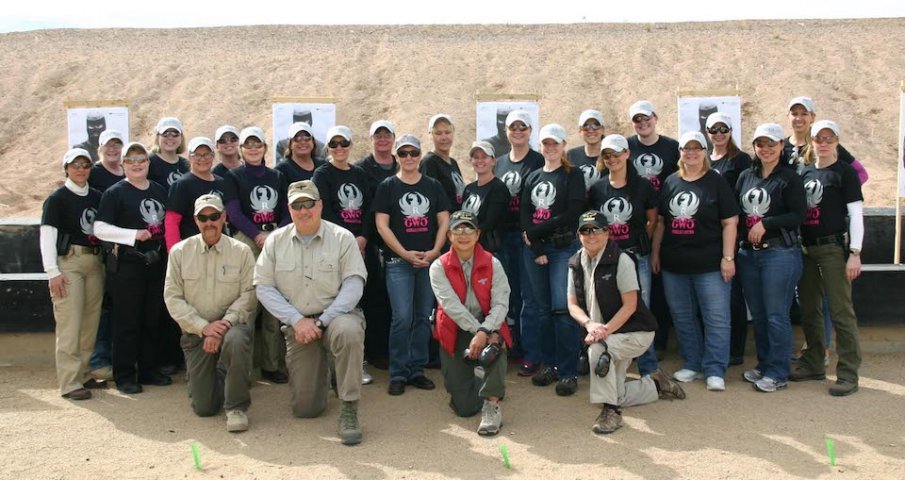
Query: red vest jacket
(446,329)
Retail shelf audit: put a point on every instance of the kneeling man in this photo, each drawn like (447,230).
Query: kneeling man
(209,292)
(310,275)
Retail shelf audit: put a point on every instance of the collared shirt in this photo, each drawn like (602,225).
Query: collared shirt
(307,272)
(626,280)
(469,316)
(206,284)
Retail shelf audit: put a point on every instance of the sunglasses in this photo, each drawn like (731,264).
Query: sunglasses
(640,118)
(339,143)
(209,218)
(228,140)
(765,143)
(590,127)
(302,204)
(518,127)
(301,137)
(252,145)
(202,156)
(463,230)
(131,160)
(80,165)
(408,153)
(170,134)
(383,135)
(609,155)
(691,149)
(715,130)
(591,231)
(826,139)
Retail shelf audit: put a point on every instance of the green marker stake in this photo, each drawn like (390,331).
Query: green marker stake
(196,456)
(831,450)
(505,454)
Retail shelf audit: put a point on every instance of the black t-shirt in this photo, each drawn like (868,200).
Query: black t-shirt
(791,155)
(625,209)
(777,201)
(731,167)
(126,206)
(260,197)
(165,173)
(294,173)
(692,211)
(448,174)
(654,162)
(101,178)
(221,169)
(587,165)
(413,211)
(829,190)
(345,196)
(72,214)
(489,202)
(513,175)
(551,204)
(182,198)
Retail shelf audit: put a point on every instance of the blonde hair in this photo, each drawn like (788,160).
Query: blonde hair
(683,172)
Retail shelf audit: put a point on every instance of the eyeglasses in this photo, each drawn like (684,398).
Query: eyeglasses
(715,130)
(590,127)
(170,134)
(825,139)
(640,118)
(383,135)
(609,155)
(252,145)
(202,156)
(302,204)
(691,149)
(80,165)
(209,218)
(131,160)
(228,140)
(301,137)
(518,127)
(463,230)
(591,231)
(765,143)
(339,143)
(408,153)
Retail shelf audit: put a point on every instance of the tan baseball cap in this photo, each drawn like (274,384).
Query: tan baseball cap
(304,189)
(208,200)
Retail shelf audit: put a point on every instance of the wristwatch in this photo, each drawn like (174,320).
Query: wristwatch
(319,324)
(856,252)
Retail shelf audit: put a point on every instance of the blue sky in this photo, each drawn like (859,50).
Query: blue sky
(41,14)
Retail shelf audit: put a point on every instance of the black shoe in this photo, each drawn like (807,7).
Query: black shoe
(78,394)
(567,386)
(380,363)
(157,379)
(94,384)
(275,376)
(843,388)
(397,387)
(422,382)
(545,376)
(433,365)
(129,388)
(734,361)
(168,369)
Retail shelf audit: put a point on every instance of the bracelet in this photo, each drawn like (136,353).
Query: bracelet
(482,329)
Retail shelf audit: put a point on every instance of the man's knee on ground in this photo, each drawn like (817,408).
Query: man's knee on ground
(309,410)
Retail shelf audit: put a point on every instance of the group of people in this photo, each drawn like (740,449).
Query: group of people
(572,261)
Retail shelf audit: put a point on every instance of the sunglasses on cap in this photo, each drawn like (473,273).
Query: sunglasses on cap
(231,139)
(339,143)
(408,153)
(715,130)
(591,231)
(518,127)
(170,134)
(302,204)
(213,217)
(301,137)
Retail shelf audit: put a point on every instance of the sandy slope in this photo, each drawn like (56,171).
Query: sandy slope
(213,76)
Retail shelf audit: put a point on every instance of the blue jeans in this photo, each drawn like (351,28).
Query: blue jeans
(557,334)
(647,362)
(703,350)
(768,279)
(521,301)
(412,300)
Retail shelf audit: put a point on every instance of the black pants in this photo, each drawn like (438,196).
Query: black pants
(376,306)
(137,290)
(660,309)
(739,313)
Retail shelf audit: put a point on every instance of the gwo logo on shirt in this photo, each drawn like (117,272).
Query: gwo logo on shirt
(618,212)
(814,190)
(350,201)
(86,224)
(649,166)
(152,214)
(263,199)
(472,204)
(756,204)
(543,195)
(173,177)
(415,207)
(513,182)
(459,182)
(683,207)
(591,175)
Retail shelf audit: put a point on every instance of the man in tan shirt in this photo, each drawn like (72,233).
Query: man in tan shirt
(209,292)
(310,275)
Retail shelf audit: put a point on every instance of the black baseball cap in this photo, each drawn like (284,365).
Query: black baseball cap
(593,218)
(462,217)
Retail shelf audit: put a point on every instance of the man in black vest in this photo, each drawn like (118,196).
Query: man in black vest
(605,298)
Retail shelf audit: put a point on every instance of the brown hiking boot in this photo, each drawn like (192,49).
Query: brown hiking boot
(668,388)
(801,373)
(608,421)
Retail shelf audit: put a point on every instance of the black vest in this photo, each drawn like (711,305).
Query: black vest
(608,297)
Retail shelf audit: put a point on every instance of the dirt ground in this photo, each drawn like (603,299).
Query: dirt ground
(734,434)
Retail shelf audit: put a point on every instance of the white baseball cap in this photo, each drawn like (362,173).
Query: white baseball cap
(407,139)
(297,127)
(518,116)
(132,145)
(486,147)
(433,120)
(773,131)
(821,124)
(248,132)
(717,117)
(339,131)
(553,131)
(167,123)
(589,114)
(381,124)
(641,107)
(223,130)
(615,142)
(692,137)
(108,135)
(74,153)
(199,142)
(805,102)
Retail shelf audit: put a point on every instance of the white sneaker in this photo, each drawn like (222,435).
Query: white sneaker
(236,421)
(768,385)
(752,375)
(366,378)
(716,384)
(491,418)
(685,375)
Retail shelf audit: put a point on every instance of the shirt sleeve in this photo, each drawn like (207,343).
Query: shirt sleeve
(626,275)
(112,233)
(243,309)
(499,298)
(180,309)
(448,299)
(347,298)
(47,241)
(171,233)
